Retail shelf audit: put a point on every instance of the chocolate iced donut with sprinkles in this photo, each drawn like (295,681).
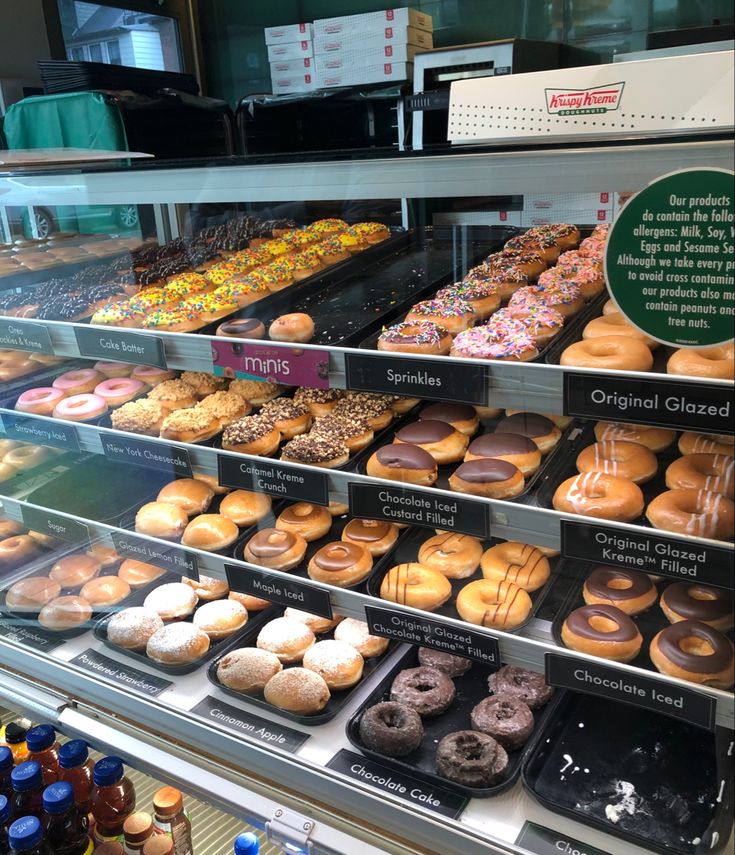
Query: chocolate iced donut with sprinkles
(419,336)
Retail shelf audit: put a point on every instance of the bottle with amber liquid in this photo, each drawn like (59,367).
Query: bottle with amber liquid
(27,798)
(113,799)
(159,844)
(25,837)
(6,768)
(170,819)
(75,767)
(63,831)
(44,749)
(4,823)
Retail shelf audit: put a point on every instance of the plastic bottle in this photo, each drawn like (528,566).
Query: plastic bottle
(6,767)
(138,829)
(27,782)
(44,749)
(75,766)
(4,823)
(159,844)
(64,830)
(113,799)
(15,739)
(247,844)
(25,836)
(170,819)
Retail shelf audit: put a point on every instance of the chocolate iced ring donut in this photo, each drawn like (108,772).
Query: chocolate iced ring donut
(629,590)
(691,601)
(242,328)
(391,728)
(527,686)
(604,631)
(426,690)
(470,758)
(696,652)
(504,717)
(448,663)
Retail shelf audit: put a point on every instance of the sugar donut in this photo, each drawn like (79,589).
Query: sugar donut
(496,604)
(714,363)
(519,563)
(620,458)
(40,401)
(80,408)
(595,494)
(697,513)
(610,352)
(78,382)
(713,472)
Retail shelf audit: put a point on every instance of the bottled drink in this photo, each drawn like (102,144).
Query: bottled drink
(44,749)
(63,831)
(25,836)
(4,823)
(6,767)
(27,783)
(138,829)
(75,766)
(113,799)
(171,820)
(15,739)
(246,844)
(159,844)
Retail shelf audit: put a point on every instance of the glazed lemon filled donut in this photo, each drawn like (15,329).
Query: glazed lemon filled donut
(496,604)
(417,586)
(695,652)
(604,631)
(520,563)
(620,458)
(630,591)
(698,513)
(595,494)
(655,439)
(610,352)
(713,472)
(708,443)
(714,363)
(443,442)
(692,601)
(456,556)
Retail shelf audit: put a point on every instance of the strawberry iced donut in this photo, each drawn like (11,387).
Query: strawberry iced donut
(78,382)
(80,408)
(507,341)
(40,401)
(119,390)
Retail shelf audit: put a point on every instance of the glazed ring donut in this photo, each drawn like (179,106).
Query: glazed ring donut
(707,443)
(613,323)
(655,439)
(697,513)
(696,652)
(17,550)
(603,631)
(611,352)
(417,586)
(456,556)
(519,563)
(500,605)
(714,363)
(628,590)
(620,458)
(7,472)
(26,457)
(595,494)
(691,601)
(713,472)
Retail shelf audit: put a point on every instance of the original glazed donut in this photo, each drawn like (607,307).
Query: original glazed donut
(78,382)
(527,686)
(603,631)
(630,591)
(519,563)
(297,327)
(416,337)
(695,652)
(456,556)
(342,564)
(655,439)
(614,323)
(80,408)
(506,718)
(707,443)
(119,390)
(698,513)
(427,691)
(41,401)
(692,601)
(470,758)
(713,472)
(595,494)
(486,476)
(619,458)
(610,352)
(496,604)
(417,586)
(516,449)
(374,535)
(443,442)
(403,462)
(391,728)
(26,457)
(715,363)
(310,521)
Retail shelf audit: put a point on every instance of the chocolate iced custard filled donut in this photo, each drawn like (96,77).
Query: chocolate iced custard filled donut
(514,448)
(504,717)
(688,601)
(604,631)
(391,728)
(696,652)
(428,691)
(443,442)
(495,479)
(629,590)
(538,428)
(403,462)
(448,663)
(461,417)
(527,686)
(471,758)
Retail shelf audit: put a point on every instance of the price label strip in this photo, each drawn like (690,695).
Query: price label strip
(152,455)
(285,592)
(30,429)
(250,725)
(122,346)
(173,558)
(46,522)
(546,841)
(124,675)
(273,478)
(25,335)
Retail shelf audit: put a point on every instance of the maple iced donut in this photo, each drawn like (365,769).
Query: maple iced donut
(595,494)
(655,439)
(697,513)
(119,390)
(80,408)
(41,401)
(78,382)
(152,374)
(374,535)
(620,458)
(713,472)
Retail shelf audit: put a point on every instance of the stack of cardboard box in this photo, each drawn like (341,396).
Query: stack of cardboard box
(291,57)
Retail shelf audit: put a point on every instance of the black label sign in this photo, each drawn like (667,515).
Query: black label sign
(24,335)
(177,560)
(545,841)
(139,681)
(285,592)
(252,726)
(34,637)
(403,505)
(647,692)
(664,403)
(387,780)
(273,478)
(443,380)
(46,522)
(651,553)
(399,626)
(120,346)
(30,429)
(152,455)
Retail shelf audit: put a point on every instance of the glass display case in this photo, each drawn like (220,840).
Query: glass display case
(282,405)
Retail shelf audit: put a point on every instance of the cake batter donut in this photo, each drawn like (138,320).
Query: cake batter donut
(595,494)
(692,601)
(713,363)
(695,652)
(519,563)
(603,631)
(619,458)
(655,439)
(495,604)
(630,591)
(391,728)
(697,513)
(713,472)
(456,556)
(610,353)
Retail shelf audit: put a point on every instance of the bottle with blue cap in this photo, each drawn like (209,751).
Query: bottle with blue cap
(64,829)
(25,837)
(4,823)
(6,767)
(113,799)
(76,767)
(44,749)
(246,844)
(27,782)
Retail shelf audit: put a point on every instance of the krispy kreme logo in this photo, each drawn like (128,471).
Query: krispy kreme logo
(573,102)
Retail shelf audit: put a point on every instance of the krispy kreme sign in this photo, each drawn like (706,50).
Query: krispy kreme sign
(573,102)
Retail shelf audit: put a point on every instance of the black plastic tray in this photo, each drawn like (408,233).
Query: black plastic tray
(406,550)
(588,744)
(337,700)
(215,647)
(471,688)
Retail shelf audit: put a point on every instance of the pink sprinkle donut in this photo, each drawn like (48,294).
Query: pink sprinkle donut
(40,401)
(119,390)
(541,322)
(77,382)
(151,374)
(113,369)
(80,408)
(487,343)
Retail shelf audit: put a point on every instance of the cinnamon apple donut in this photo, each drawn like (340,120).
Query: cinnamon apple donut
(595,494)
(692,601)
(603,631)
(417,586)
(620,458)
(698,513)
(695,652)
(630,591)
(610,352)
(713,472)
(456,556)
(655,439)
(500,605)
(519,563)
(714,363)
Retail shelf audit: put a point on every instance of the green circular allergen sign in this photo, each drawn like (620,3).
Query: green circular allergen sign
(670,258)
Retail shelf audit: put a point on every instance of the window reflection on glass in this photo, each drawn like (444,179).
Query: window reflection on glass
(119,36)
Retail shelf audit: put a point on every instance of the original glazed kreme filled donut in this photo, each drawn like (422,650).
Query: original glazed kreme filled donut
(595,494)
(628,590)
(620,458)
(603,631)
(496,604)
(697,513)
(716,363)
(696,652)
(611,352)
(713,472)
